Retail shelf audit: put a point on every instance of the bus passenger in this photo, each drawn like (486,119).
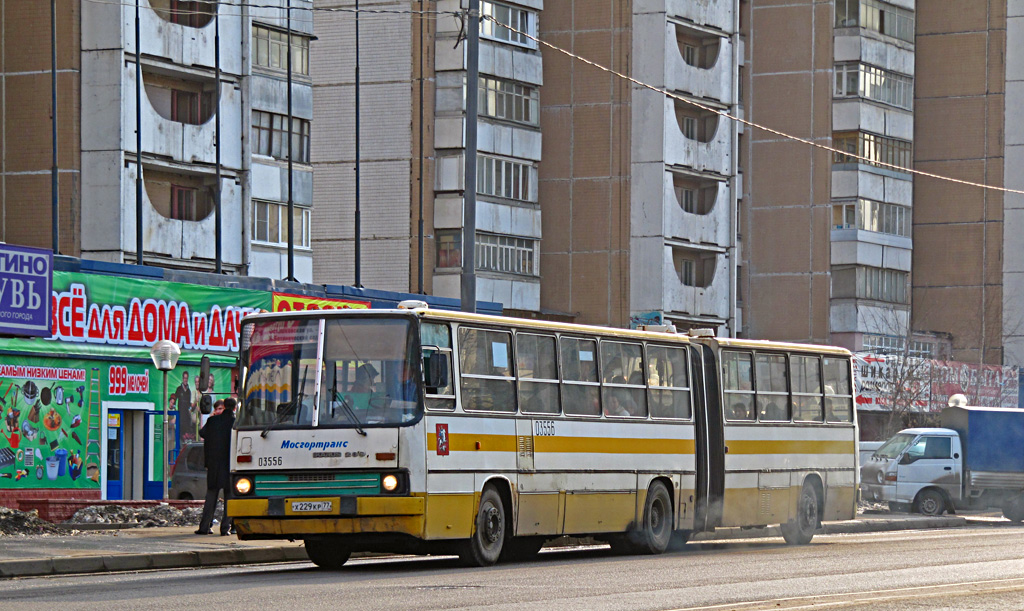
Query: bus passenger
(364,379)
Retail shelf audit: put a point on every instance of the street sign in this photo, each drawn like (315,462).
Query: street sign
(26,277)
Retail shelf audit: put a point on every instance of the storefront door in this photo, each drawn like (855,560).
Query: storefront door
(115,455)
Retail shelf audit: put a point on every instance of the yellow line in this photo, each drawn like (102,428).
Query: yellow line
(776,446)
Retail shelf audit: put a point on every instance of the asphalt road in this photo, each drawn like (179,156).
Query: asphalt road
(978,567)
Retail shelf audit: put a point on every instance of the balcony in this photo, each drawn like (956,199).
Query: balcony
(697,209)
(696,281)
(699,63)
(183,136)
(717,14)
(697,139)
(190,43)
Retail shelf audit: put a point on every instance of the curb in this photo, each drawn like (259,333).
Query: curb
(39,567)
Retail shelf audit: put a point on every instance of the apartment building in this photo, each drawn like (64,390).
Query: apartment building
(639,190)
(411,159)
(202,75)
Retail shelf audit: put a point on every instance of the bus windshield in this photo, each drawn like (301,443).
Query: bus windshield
(369,374)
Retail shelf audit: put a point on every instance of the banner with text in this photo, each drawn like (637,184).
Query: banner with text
(929,384)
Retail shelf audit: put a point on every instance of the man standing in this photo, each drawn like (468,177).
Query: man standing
(217,449)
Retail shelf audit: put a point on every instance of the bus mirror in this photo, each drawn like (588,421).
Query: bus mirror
(437,370)
(204,374)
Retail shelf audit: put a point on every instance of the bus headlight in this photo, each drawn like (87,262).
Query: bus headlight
(390,483)
(243,485)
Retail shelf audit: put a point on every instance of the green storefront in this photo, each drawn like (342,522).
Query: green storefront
(83,411)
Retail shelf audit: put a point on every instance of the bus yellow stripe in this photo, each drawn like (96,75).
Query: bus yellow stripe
(790,446)
(573,445)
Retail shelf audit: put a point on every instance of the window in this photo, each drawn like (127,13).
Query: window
(738,385)
(772,387)
(269,136)
(505,178)
(270,224)
(436,337)
(838,390)
(688,272)
(807,391)
(191,13)
(622,378)
(891,344)
(497,22)
(690,55)
(932,447)
(688,199)
(191,107)
(580,388)
(690,127)
(668,380)
(190,203)
(503,99)
(862,80)
(501,253)
(485,359)
(537,369)
(270,50)
(869,215)
(449,247)
(875,148)
(874,283)
(875,15)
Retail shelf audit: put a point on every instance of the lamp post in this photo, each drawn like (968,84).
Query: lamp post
(165,355)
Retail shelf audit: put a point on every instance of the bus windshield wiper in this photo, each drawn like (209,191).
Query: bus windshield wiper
(349,412)
(289,407)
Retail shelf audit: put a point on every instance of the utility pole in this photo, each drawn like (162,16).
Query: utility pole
(469,195)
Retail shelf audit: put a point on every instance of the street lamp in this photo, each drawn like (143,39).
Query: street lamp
(165,355)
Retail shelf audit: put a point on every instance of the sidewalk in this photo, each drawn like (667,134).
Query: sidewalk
(177,547)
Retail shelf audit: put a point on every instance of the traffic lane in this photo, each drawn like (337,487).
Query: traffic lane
(705,574)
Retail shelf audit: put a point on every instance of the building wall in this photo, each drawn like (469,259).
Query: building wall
(585,174)
(958,230)
(1013,211)
(25,124)
(386,149)
(786,212)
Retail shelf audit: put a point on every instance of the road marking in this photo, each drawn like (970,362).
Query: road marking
(868,597)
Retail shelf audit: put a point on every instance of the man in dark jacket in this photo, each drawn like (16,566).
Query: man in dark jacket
(217,448)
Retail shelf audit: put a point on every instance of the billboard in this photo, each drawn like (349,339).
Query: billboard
(25,279)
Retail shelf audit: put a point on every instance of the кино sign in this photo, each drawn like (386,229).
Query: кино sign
(26,277)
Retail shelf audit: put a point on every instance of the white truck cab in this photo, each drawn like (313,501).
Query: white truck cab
(919,469)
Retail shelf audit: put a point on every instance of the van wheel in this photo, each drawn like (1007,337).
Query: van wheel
(327,553)
(930,503)
(1014,509)
(800,530)
(484,546)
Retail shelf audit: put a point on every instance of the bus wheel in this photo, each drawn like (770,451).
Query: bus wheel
(484,546)
(520,549)
(801,530)
(656,531)
(327,553)
(931,503)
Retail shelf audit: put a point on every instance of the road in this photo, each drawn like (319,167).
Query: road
(978,567)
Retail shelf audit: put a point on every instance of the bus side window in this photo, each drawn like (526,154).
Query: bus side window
(738,385)
(669,394)
(436,340)
(807,389)
(838,393)
(485,362)
(772,387)
(580,388)
(537,370)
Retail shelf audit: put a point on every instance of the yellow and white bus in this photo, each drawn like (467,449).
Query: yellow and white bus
(427,431)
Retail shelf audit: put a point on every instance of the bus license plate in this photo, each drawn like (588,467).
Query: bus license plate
(312,506)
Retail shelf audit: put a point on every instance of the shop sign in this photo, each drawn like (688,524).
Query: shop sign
(286,302)
(25,278)
(136,312)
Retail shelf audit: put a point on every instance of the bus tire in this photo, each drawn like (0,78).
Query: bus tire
(930,503)
(655,531)
(800,530)
(520,549)
(489,532)
(327,553)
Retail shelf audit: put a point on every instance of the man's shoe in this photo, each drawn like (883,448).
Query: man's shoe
(203,532)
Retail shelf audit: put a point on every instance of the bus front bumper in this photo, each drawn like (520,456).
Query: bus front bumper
(296,517)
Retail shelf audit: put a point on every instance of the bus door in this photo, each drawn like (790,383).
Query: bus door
(710,458)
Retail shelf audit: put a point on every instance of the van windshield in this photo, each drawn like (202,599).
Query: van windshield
(896,445)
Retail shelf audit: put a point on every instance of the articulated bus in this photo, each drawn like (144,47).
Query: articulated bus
(425,431)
